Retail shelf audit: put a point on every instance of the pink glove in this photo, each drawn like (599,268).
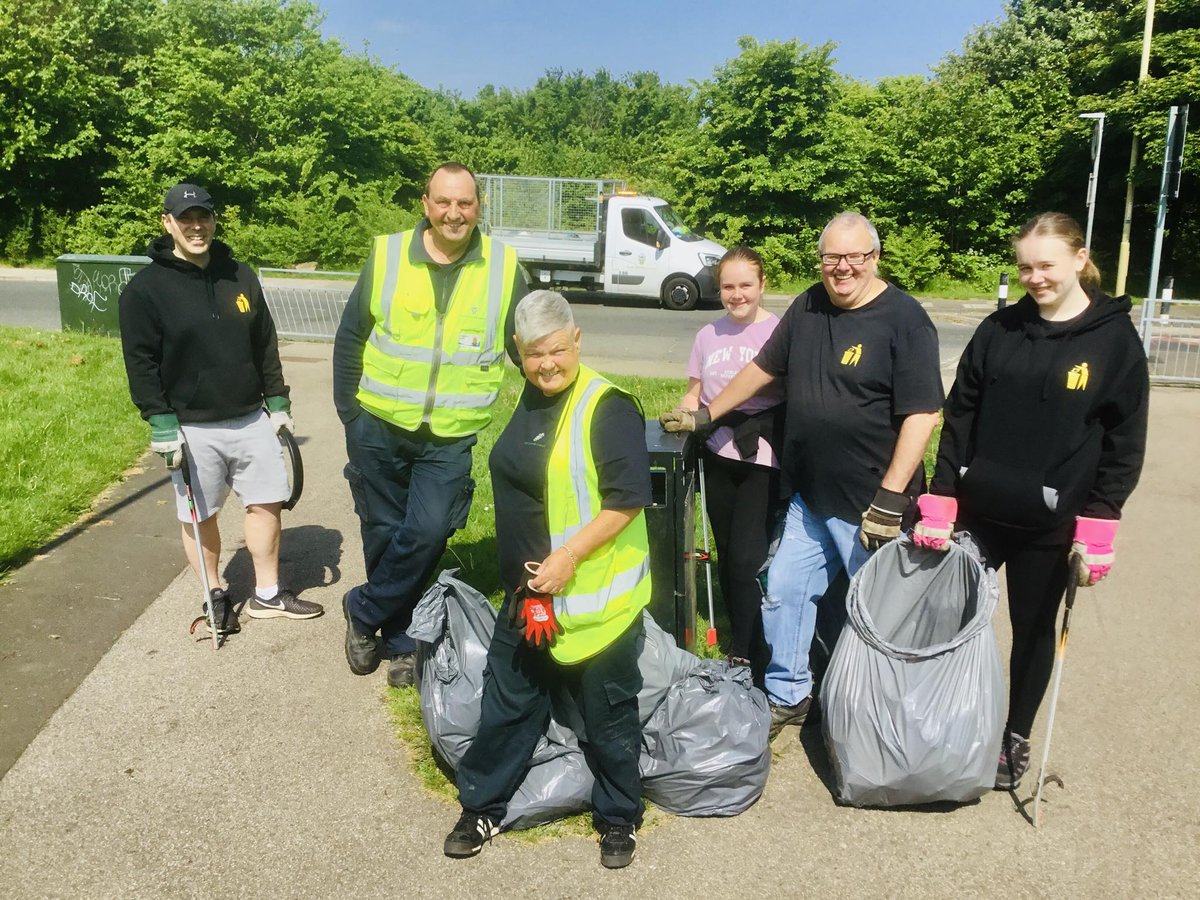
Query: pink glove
(1094,546)
(937,521)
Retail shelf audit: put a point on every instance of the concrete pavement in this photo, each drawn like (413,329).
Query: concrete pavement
(267,770)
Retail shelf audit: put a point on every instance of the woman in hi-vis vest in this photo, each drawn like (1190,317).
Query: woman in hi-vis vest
(570,477)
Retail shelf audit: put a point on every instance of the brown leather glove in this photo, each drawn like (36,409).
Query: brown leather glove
(680,419)
(881,521)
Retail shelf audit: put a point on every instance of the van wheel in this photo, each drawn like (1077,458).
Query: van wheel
(680,292)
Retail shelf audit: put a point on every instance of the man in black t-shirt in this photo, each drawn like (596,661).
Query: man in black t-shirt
(859,363)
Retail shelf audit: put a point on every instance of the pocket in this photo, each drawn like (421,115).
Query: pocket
(619,692)
(358,491)
(1007,494)
(226,387)
(461,509)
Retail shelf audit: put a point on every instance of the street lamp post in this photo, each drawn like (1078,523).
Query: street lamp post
(1097,146)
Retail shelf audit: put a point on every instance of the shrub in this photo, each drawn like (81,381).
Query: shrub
(912,256)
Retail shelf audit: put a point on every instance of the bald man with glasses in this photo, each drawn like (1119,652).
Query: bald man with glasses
(858,359)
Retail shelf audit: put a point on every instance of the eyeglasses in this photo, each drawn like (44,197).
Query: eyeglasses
(853,259)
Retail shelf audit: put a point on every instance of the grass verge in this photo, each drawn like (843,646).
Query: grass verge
(67,432)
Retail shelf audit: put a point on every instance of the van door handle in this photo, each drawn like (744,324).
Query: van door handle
(625,253)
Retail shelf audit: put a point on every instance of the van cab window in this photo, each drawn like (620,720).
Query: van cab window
(640,226)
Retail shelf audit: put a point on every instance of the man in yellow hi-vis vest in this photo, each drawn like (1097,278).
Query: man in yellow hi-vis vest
(417,365)
(571,477)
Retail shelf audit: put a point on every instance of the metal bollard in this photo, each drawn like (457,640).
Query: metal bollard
(1002,292)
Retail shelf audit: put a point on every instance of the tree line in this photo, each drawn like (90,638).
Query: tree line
(311,149)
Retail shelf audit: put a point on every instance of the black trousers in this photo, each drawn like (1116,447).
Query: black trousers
(743,504)
(1035,568)
(516,709)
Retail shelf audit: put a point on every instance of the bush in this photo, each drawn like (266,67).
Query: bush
(912,256)
(980,270)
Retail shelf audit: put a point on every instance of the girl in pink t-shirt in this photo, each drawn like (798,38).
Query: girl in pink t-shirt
(741,464)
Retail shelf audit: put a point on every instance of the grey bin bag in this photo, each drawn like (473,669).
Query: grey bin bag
(914,700)
(706,749)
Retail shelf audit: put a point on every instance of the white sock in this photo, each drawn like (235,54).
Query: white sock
(266,593)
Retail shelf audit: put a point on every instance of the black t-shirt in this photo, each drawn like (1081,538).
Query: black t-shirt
(518,468)
(851,376)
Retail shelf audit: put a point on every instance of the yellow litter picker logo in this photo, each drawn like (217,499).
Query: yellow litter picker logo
(243,304)
(1077,378)
(852,355)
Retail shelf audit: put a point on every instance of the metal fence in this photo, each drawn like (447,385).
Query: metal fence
(555,205)
(1171,335)
(306,305)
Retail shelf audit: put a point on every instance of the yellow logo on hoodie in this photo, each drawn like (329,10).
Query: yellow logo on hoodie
(1077,378)
(852,355)
(243,304)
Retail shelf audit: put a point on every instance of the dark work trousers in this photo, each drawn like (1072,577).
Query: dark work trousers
(1035,569)
(743,507)
(516,709)
(411,490)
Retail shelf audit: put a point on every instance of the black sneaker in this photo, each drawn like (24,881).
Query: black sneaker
(224,614)
(469,835)
(402,670)
(285,604)
(1014,761)
(783,716)
(618,843)
(362,650)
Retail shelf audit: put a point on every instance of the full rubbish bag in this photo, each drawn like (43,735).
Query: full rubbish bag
(453,625)
(914,698)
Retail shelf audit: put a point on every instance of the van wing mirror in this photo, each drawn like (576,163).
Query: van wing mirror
(662,240)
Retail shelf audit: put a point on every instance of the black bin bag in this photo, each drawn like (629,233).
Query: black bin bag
(914,698)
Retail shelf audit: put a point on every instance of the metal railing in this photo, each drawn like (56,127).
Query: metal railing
(306,305)
(568,206)
(1170,332)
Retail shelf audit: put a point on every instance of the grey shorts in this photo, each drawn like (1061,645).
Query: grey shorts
(243,454)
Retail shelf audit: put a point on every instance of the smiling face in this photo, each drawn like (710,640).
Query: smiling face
(192,230)
(741,290)
(452,207)
(849,285)
(1049,271)
(551,362)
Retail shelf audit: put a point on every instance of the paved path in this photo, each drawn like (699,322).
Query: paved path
(268,770)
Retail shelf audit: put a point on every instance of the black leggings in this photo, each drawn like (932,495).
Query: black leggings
(742,500)
(1035,565)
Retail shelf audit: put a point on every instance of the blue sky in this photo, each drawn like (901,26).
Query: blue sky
(465,44)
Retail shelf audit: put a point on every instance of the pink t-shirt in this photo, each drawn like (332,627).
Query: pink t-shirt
(720,351)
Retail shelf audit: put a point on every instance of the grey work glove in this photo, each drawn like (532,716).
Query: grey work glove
(881,521)
(165,438)
(680,419)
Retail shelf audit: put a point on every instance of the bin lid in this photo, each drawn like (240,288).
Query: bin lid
(92,258)
(659,441)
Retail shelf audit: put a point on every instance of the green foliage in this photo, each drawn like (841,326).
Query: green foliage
(912,256)
(67,432)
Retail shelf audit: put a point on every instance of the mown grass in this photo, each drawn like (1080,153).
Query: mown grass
(67,432)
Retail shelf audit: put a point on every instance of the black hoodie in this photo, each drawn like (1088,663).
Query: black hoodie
(1046,420)
(198,342)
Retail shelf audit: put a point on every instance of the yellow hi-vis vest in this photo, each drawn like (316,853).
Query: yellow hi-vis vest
(419,366)
(611,586)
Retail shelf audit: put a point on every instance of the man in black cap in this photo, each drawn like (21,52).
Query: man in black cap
(203,365)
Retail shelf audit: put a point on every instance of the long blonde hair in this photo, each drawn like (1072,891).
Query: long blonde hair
(1061,226)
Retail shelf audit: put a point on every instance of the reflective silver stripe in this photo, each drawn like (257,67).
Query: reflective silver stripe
(417,398)
(584,604)
(495,293)
(388,346)
(394,244)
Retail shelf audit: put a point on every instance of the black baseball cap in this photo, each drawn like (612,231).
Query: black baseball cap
(183,197)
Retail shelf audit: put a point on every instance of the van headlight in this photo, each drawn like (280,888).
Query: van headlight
(709,259)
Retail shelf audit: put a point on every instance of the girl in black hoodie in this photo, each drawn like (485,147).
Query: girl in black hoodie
(1042,443)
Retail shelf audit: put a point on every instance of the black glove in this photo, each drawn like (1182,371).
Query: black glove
(881,521)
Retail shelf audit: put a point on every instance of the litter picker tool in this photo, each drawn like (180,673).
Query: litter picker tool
(294,465)
(210,611)
(1073,566)
(712,622)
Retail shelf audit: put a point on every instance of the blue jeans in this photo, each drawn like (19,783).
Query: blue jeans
(411,490)
(814,549)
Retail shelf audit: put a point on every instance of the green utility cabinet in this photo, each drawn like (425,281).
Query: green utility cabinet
(89,287)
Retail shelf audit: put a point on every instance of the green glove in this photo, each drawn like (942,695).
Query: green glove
(279,409)
(165,438)
(881,522)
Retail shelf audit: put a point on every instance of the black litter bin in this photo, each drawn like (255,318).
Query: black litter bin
(88,289)
(671,523)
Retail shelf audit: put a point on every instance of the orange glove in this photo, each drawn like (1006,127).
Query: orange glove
(534,613)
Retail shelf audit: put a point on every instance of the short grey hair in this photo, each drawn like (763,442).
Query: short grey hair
(844,219)
(541,313)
